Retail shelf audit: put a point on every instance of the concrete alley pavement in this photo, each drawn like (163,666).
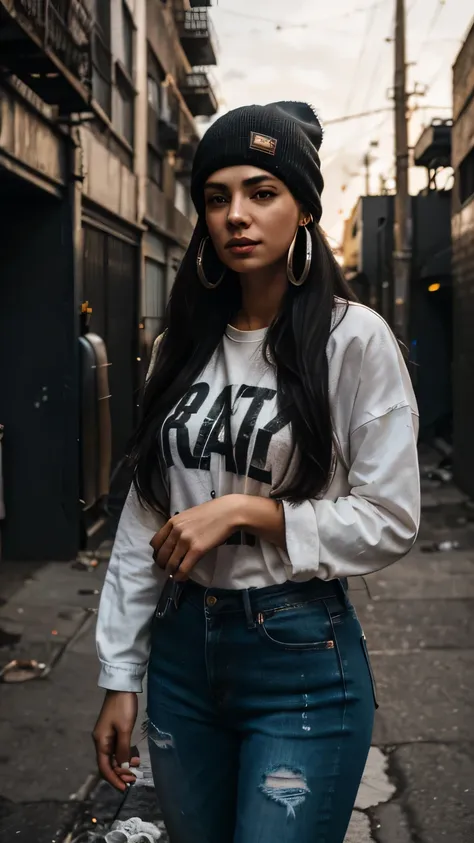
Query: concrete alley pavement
(419,623)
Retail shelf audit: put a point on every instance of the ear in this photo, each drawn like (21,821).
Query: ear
(305,218)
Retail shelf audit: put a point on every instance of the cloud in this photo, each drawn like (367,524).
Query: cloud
(233,75)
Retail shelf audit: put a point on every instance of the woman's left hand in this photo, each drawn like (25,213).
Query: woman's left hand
(188,536)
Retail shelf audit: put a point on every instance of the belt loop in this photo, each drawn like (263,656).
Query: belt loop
(248,609)
(343,588)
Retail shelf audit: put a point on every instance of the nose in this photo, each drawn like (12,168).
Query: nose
(238,216)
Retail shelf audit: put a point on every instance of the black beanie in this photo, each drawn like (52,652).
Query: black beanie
(283,138)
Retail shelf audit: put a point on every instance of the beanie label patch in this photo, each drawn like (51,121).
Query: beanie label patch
(264,143)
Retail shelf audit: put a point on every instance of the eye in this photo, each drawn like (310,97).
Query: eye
(264,194)
(217,199)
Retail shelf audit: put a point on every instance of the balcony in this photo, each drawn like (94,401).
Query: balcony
(198,94)
(433,149)
(197,37)
(47,44)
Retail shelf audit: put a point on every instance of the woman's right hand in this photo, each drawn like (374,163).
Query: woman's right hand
(113,735)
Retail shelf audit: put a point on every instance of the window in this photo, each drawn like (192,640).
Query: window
(466,178)
(155,167)
(155,77)
(154,299)
(123,110)
(181,197)
(124,94)
(102,20)
(101,56)
(127,34)
(153,88)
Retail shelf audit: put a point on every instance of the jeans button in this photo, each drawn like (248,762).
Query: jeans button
(211,600)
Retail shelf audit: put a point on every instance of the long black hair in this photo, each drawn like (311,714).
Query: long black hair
(295,344)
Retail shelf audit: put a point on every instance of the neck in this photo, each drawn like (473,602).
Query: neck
(262,295)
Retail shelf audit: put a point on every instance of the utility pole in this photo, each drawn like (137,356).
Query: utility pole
(366,162)
(402,228)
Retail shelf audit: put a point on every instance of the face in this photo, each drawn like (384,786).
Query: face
(251,217)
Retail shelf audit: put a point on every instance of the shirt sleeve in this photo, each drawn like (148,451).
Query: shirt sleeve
(128,600)
(130,594)
(377,522)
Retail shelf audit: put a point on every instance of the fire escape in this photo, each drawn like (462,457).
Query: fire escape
(199,43)
(47,45)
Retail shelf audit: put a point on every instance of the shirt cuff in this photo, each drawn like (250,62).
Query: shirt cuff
(122,678)
(302,540)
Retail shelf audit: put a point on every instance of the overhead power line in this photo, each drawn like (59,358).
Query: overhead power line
(385,110)
(279,22)
(383,46)
(433,21)
(368,26)
(356,116)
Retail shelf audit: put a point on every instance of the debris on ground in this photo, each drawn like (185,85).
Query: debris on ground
(133,831)
(86,562)
(23,670)
(441,547)
(440,475)
(89,560)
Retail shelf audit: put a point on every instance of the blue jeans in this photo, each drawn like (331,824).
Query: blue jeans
(261,705)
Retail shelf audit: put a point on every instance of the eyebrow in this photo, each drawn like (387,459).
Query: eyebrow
(246,183)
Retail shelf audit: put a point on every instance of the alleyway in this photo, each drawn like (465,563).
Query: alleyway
(419,622)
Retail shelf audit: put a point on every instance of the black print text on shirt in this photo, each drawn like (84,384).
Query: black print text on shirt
(214,436)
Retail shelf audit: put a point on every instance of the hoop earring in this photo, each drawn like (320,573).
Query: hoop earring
(298,282)
(200,268)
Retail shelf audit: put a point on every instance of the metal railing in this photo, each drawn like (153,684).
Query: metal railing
(197,83)
(65,28)
(196,79)
(197,22)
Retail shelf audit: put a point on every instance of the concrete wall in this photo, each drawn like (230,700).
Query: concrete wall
(29,137)
(108,181)
(463,270)
(114,177)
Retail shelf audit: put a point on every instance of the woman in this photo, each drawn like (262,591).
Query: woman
(276,456)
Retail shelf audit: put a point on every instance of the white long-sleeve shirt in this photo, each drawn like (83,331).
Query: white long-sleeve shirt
(226,436)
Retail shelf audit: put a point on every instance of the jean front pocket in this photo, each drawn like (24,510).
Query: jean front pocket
(297,628)
(363,642)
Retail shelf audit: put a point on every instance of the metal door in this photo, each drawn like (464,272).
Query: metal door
(110,287)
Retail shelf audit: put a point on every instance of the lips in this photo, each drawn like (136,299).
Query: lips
(241,245)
